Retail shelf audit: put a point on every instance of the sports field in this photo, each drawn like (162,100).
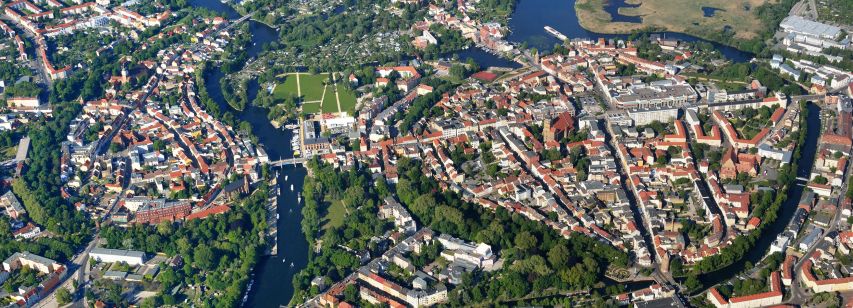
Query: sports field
(316,93)
(685,16)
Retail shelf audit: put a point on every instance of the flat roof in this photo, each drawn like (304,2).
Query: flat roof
(117,252)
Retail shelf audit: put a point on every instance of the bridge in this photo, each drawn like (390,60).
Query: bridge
(288,161)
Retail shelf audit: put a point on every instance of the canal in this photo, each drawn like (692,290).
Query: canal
(272,286)
(273,275)
(804,167)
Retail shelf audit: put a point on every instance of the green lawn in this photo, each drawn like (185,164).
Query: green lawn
(312,86)
(330,102)
(312,89)
(311,107)
(334,215)
(347,98)
(282,90)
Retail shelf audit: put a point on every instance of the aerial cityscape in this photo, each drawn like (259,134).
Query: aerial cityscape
(416,153)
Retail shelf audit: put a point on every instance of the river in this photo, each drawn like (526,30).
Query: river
(273,275)
(795,192)
(531,16)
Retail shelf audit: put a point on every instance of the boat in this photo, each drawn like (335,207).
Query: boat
(276,216)
(555,33)
(291,264)
(278,191)
(285,177)
(298,198)
(297,153)
(291,126)
(283,259)
(291,187)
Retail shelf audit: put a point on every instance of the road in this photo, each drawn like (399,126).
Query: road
(80,265)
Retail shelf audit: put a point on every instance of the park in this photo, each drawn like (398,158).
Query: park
(317,93)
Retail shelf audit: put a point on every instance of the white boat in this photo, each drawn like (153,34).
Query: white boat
(276,216)
(291,187)
(278,191)
(555,33)
(285,177)
(298,198)
(291,126)
(291,264)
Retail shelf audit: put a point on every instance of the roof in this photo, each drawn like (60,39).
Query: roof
(117,252)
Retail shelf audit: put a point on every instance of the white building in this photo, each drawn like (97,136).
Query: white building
(130,257)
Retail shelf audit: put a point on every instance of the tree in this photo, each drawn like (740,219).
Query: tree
(63,296)
(692,282)
(525,241)
(558,256)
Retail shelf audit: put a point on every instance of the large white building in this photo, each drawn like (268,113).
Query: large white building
(130,257)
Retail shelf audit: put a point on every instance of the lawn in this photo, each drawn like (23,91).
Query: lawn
(347,99)
(289,87)
(312,86)
(330,103)
(310,107)
(685,16)
(334,215)
(312,89)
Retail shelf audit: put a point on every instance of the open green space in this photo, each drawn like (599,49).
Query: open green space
(312,86)
(330,102)
(289,87)
(335,215)
(347,99)
(311,107)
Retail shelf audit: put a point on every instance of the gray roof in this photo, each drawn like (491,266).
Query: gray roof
(117,252)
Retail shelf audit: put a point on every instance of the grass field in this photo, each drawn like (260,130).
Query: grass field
(315,95)
(685,16)
(334,215)
(311,107)
(289,87)
(312,86)
(347,99)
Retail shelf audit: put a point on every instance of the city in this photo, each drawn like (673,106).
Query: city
(416,153)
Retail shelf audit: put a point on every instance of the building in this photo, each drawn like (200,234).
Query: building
(643,116)
(130,257)
(32,261)
(167,211)
(13,207)
(559,127)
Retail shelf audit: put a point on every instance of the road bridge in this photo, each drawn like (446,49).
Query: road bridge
(289,161)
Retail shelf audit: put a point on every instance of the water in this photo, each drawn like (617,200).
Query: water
(708,11)
(795,192)
(531,16)
(612,7)
(483,58)
(273,286)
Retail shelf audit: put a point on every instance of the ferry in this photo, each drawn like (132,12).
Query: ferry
(555,33)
